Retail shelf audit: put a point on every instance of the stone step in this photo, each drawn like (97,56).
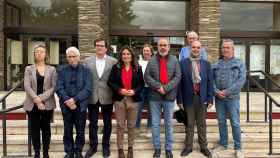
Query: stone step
(20,127)
(148,153)
(255,141)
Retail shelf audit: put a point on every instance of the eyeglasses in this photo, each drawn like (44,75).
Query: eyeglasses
(196,47)
(98,45)
(72,56)
(163,45)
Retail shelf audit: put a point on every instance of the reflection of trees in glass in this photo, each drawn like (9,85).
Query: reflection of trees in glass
(60,13)
(121,13)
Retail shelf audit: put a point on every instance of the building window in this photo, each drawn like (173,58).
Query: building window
(149,15)
(246,16)
(42,13)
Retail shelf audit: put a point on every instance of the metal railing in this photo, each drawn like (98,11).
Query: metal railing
(268,96)
(3,113)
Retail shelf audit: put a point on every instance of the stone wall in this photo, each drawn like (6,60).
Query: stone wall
(93,23)
(205,19)
(1,45)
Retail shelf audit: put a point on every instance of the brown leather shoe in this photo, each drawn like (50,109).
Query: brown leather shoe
(121,153)
(130,152)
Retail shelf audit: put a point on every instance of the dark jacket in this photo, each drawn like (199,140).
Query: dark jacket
(152,78)
(186,88)
(115,82)
(84,86)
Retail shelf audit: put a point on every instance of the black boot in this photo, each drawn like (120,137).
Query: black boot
(37,154)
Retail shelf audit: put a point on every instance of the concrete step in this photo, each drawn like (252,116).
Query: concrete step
(20,127)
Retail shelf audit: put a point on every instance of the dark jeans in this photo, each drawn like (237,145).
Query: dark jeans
(93,124)
(144,94)
(40,120)
(78,119)
(196,113)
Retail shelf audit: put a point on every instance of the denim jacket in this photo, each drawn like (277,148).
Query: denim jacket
(229,76)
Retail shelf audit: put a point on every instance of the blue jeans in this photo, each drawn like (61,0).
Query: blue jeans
(156,109)
(230,107)
(144,94)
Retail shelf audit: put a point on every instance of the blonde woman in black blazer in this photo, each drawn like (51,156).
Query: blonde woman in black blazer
(39,85)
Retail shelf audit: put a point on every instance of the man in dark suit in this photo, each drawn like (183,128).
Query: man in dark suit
(100,65)
(73,89)
(195,95)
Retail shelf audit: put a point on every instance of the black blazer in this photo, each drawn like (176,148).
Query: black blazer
(115,82)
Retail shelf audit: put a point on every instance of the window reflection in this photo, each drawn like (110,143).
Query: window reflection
(242,16)
(59,13)
(136,15)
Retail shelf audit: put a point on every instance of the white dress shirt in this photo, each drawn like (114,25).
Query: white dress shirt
(100,65)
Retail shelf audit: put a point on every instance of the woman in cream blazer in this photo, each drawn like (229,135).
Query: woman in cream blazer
(39,85)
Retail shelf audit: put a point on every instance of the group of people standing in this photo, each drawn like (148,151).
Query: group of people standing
(103,82)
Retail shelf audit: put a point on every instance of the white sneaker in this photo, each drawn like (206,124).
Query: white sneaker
(239,154)
(219,148)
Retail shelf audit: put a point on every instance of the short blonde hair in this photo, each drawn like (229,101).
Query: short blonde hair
(46,52)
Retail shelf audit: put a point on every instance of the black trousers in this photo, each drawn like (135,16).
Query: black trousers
(93,125)
(40,120)
(73,118)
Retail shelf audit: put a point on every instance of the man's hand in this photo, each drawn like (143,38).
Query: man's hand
(221,94)
(161,90)
(71,103)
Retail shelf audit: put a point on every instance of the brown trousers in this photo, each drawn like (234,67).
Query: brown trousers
(126,112)
(196,114)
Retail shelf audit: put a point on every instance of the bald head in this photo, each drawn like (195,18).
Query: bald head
(196,46)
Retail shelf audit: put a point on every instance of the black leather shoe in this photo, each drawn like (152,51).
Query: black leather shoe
(46,155)
(37,155)
(121,153)
(69,155)
(186,152)
(90,152)
(206,152)
(157,153)
(168,154)
(130,152)
(78,155)
(106,152)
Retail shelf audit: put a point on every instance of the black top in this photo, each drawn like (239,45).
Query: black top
(40,83)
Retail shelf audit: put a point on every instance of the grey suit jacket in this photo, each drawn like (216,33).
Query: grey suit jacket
(30,87)
(100,90)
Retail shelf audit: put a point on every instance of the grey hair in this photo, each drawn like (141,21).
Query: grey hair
(228,41)
(188,33)
(73,49)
